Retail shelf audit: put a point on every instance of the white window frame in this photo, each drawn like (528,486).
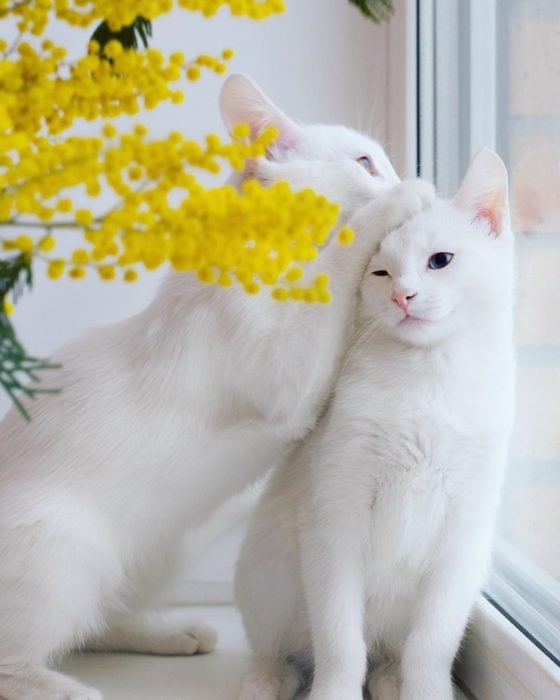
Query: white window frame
(401,88)
(496,660)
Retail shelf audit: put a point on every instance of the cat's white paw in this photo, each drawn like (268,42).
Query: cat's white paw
(156,635)
(259,686)
(383,687)
(424,191)
(267,684)
(407,199)
(394,208)
(194,638)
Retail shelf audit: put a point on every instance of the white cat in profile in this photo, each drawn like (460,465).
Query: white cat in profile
(364,556)
(165,415)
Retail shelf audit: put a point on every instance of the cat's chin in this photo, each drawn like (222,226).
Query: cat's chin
(420,331)
(415,321)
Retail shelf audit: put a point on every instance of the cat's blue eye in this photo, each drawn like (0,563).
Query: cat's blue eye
(439,260)
(380,273)
(366,163)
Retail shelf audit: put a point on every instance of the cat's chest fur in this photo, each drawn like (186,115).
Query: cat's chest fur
(432,400)
(418,420)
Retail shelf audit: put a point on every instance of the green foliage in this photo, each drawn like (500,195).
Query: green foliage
(17,369)
(376,10)
(127,36)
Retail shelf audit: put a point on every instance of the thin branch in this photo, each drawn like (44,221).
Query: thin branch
(16,6)
(45,224)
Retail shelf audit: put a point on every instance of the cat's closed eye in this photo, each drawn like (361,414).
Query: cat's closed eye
(367,164)
(380,273)
(439,260)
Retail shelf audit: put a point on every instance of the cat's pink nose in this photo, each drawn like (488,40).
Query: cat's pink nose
(403,298)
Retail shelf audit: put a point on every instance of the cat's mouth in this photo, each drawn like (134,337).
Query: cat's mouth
(411,318)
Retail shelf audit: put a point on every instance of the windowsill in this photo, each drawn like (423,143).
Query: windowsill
(498,661)
(215,676)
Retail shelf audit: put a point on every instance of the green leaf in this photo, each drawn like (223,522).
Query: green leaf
(15,274)
(126,36)
(17,369)
(376,10)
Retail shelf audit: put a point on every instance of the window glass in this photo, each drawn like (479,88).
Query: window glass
(490,76)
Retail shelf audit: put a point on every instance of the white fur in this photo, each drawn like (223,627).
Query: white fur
(161,417)
(366,552)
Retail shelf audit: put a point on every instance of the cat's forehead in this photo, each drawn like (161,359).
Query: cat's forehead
(332,139)
(331,143)
(439,227)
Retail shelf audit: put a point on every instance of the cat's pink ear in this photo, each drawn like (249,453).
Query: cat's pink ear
(242,101)
(484,191)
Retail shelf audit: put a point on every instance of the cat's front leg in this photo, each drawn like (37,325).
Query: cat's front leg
(334,593)
(444,603)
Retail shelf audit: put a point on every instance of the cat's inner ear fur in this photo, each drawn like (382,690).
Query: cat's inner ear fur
(484,191)
(243,102)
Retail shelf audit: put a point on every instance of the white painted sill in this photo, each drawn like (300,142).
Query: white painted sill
(215,676)
(498,662)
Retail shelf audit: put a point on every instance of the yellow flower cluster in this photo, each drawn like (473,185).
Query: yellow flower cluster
(39,89)
(257,237)
(33,178)
(204,234)
(255,9)
(34,14)
(160,212)
(218,65)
